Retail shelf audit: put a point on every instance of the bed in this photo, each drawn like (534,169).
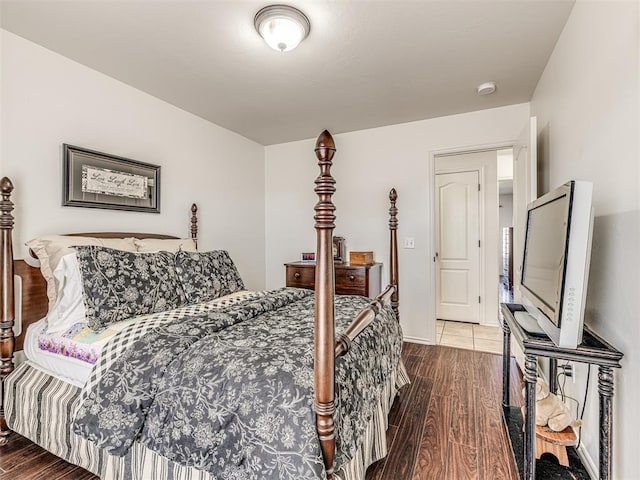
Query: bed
(176,372)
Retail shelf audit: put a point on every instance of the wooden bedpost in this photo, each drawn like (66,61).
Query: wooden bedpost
(7,343)
(393,250)
(194,224)
(324,337)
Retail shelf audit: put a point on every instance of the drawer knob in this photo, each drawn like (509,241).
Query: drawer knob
(296,275)
(352,277)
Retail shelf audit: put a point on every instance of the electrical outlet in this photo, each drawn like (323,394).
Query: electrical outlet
(409,243)
(567,371)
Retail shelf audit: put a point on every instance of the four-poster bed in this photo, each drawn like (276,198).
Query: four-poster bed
(337,362)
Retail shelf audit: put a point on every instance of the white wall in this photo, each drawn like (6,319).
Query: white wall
(587,104)
(48,100)
(367,164)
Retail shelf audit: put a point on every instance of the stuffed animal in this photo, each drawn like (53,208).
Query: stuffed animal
(551,410)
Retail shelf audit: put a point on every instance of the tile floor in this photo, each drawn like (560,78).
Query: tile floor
(470,336)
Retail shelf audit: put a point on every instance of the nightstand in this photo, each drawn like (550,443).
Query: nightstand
(362,280)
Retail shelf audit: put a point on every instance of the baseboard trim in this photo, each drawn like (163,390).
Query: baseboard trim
(489,324)
(420,340)
(587,461)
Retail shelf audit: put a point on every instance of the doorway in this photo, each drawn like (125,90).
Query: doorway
(505,224)
(524,187)
(466,222)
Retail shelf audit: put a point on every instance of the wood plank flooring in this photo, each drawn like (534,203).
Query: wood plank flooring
(445,425)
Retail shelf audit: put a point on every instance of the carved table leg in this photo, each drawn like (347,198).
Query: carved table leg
(605,389)
(553,375)
(506,362)
(530,376)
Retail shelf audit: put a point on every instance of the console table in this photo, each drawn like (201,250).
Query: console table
(593,350)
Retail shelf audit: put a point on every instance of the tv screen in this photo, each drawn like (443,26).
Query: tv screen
(555,264)
(544,259)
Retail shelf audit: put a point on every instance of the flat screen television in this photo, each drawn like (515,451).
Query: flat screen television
(555,266)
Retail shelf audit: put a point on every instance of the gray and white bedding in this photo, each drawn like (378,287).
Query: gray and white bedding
(72,353)
(219,389)
(39,406)
(230,391)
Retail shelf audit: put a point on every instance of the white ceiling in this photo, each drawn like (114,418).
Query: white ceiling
(364,64)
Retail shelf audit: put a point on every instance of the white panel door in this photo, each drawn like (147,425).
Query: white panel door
(457,246)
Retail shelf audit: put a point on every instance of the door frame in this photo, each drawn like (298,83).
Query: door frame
(431,215)
(481,236)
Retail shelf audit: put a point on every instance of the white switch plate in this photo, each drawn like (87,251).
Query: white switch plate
(409,243)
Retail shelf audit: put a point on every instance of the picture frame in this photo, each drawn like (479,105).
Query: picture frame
(99,180)
(339,249)
(308,256)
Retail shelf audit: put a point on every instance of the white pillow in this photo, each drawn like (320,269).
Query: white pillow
(69,306)
(51,248)
(165,245)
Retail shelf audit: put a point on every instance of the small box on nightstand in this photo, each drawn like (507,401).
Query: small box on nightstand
(361,258)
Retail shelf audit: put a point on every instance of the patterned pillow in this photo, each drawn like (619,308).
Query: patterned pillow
(119,285)
(207,275)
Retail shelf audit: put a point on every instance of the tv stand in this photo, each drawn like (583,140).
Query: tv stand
(593,350)
(528,323)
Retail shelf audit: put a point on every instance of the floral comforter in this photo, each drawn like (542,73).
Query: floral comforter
(230,391)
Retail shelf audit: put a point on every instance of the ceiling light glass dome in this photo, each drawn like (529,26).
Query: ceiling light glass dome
(282,27)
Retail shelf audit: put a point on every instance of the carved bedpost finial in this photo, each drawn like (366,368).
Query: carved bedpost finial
(393,250)
(325,183)
(325,140)
(324,337)
(7,308)
(6,206)
(6,186)
(194,224)
(393,211)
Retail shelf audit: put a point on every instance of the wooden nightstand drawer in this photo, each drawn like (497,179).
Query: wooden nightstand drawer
(350,279)
(301,276)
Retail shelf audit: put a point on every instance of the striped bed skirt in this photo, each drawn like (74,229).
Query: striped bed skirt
(38,407)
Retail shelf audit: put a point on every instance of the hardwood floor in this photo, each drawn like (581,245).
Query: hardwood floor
(21,459)
(445,425)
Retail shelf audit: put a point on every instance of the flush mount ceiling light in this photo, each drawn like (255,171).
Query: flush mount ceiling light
(282,27)
(486,88)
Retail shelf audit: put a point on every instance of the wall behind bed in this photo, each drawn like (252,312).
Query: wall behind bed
(47,100)
(367,164)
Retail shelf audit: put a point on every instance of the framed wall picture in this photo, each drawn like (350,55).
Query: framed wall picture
(99,180)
